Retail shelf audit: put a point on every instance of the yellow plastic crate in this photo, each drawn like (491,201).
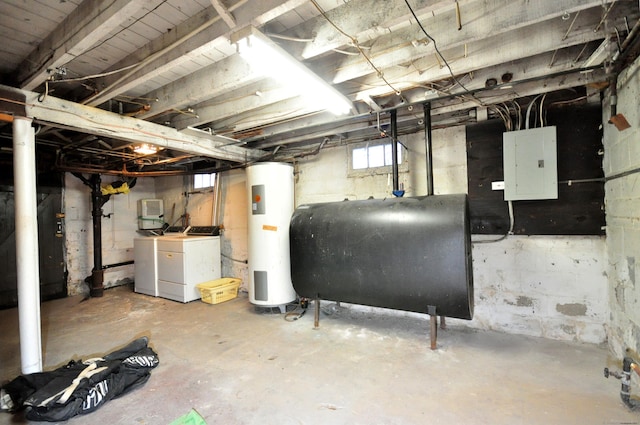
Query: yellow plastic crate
(219,290)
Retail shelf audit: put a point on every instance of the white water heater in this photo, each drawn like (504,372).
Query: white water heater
(270,192)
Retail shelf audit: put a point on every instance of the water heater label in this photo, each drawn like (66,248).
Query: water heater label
(257,199)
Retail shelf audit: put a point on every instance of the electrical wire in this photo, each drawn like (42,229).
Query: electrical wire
(541,111)
(44,95)
(509,233)
(294,315)
(125,28)
(526,122)
(435,45)
(355,43)
(288,38)
(234,259)
(89,77)
(68,80)
(344,52)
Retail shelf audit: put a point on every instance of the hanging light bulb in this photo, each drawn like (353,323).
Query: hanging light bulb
(145,149)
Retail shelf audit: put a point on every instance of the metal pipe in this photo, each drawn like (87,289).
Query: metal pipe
(97,274)
(394,148)
(316,314)
(428,141)
(433,322)
(625,392)
(111,266)
(27,260)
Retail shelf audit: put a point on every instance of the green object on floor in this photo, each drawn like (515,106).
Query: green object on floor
(191,418)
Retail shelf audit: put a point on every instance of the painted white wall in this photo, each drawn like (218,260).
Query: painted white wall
(118,231)
(622,201)
(552,287)
(324,177)
(178,200)
(234,217)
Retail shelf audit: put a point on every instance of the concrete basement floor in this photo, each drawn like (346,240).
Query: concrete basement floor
(236,364)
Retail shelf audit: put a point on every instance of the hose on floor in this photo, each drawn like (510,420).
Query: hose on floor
(300,311)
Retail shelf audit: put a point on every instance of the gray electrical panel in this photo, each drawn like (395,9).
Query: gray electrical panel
(530,164)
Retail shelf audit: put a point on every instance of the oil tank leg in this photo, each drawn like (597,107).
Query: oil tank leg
(433,320)
(316,314)
(443,325)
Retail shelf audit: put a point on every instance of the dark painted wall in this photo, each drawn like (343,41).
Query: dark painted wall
(579,208)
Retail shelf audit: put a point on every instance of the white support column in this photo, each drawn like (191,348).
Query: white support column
(26,213)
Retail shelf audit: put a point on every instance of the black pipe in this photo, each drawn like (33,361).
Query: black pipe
(625,393)
(110,266)
(428,141)
(394,150)
(97,201)
(613,83)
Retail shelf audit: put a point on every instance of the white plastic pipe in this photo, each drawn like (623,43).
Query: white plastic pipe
(26,214)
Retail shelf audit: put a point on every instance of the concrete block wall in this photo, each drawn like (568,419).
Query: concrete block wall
(118,231)
(553,287)
(622,201)
(547,286)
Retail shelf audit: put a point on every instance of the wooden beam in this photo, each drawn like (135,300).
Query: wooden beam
(86,119)
(542,38)
(254,111)
(188,40)
(229,74)
(365,20)
(503,23)
(326,125)
(224,13)
(84,27)
(248,98)
(297,109)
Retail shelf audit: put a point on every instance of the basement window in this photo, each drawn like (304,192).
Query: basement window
(374,157)
(204,181)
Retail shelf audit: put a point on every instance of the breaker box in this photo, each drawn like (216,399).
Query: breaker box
(530,164)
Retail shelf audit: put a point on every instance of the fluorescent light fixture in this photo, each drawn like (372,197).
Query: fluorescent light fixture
(145,149)
(271,60)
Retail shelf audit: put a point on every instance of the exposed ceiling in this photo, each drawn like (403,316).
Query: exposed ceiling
(171,62)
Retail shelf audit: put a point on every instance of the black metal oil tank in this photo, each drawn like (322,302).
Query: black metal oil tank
(399,253)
